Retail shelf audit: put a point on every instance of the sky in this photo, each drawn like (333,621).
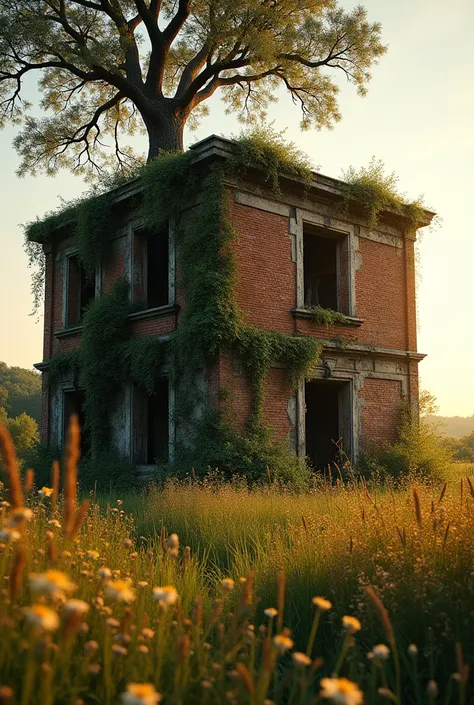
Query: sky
(417,118)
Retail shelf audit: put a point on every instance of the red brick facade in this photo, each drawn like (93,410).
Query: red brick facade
(372,356)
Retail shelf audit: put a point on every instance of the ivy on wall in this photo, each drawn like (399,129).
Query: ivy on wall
(211,321)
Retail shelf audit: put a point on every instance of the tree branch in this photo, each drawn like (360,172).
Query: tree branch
(172,30)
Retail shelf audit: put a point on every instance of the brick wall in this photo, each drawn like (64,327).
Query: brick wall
(381,400)
(266,286)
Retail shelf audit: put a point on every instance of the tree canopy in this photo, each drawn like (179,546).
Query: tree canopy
(20,391)
(109,68)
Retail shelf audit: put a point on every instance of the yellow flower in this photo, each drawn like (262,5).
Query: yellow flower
(166,595)
(120,591)
(93,554)
(76,608)
(55,522)
(341,691)
(379,654)
(283,643)
(351,624)
(42,617)
(45,492)
(227,584)
(271,612)
(104,573)
(53,583)
(140,694)
(322,604)
(301,660)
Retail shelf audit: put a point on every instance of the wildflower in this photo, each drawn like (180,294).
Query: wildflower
(119,650)
(20,516)
(75,608)
(379,654)
(45,492)
(93,554)
(128,543)
(227,584)
(104,573)
(166,595)
(300,659)
(94,669)
(432,689)
(142,584)
(9,535)
(322,604)
(351,624)
(341,691)
(283,643)
(53,583)
(413,650)
(91,646)
(173,541)
(42,617)
(148,633)
(119,502)
(271,612)
(120,591)
(55,522)
(140,694)
(113,623)
(143,649)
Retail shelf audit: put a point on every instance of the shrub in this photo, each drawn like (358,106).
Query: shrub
(108,471)
(418,453)
(255,456)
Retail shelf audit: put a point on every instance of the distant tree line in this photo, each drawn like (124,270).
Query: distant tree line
(20,399)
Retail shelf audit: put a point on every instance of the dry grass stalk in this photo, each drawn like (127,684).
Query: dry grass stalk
(416,498)
(462,668)
(280,598)
(446,533)
(51,547)
(16,572)
(79,518)
(54,485)
(7,450)
(71,457)
(471,487)
(443,492)
(245,677)
(29,480)
(383,614)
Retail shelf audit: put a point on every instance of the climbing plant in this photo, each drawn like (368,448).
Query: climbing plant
(327,316)
(197,201)
(377,191)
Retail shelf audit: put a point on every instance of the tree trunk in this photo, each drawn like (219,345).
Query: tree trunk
(165,133)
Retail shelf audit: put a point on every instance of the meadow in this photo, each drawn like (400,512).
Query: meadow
(202,592)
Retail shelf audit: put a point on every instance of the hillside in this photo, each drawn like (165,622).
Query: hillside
(23,388)
(454,426)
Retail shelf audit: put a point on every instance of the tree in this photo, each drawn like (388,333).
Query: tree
(24,432)
(107,68)
(23,391)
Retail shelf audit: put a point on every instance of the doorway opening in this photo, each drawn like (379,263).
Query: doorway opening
(327,422)
(74,404)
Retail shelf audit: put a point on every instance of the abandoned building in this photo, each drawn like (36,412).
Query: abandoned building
(293,252)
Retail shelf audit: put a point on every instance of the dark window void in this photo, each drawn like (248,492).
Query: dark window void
(74,404)
(157,279)
(80,292)
(320,271)
(322,422)
(157,423)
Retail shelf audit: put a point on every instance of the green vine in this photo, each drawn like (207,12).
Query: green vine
(377,191)
(327,316)
(211,320)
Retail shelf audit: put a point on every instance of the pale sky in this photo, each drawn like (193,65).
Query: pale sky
(417,118)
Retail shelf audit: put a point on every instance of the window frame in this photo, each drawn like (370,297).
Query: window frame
(139,228)
(67,256)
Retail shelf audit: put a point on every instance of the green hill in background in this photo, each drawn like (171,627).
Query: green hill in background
(453,426)
(23,391)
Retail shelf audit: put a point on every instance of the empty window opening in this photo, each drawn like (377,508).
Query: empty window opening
(151,424)
(320,271)
(151,268)
(80,292)
(74,404)
(325,406)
